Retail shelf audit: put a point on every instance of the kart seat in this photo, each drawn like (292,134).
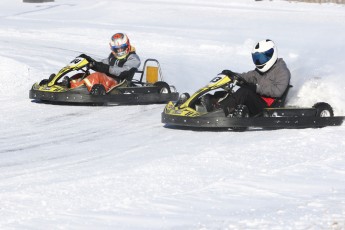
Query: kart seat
(280,102)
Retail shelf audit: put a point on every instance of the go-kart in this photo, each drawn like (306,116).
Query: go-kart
(145,86)
(189,111)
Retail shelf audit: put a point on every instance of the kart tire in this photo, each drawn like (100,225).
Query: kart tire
(182,98)
(46,81)
(323,110)
(163,87)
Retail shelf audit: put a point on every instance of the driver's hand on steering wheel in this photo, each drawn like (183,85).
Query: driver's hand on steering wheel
(229,73)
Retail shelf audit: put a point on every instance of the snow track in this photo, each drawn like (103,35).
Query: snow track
(117,167)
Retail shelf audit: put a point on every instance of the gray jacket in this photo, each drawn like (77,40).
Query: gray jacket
(119,66)
(272,83)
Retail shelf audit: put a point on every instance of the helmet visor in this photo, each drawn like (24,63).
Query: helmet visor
(119,48)
(260,58)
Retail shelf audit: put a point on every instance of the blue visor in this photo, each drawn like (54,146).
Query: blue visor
(117,48)
(262,57)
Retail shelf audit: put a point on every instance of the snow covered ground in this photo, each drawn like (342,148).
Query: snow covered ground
(118,167)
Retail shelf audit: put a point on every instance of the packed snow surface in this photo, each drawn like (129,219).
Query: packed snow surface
(118,167)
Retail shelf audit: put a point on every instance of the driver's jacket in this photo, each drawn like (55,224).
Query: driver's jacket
(119,69)
(271,84)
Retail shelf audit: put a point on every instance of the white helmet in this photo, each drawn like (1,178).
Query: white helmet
(264,55)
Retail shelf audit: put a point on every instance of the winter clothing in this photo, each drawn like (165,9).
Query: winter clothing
(272,83)
(261,89)
(95,78)
(243,96)
(120,68)
(109,71)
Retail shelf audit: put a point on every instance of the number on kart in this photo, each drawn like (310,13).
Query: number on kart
(216,79)
(76,61)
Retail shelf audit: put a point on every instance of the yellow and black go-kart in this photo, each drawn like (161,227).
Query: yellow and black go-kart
(190,111)
(145,86)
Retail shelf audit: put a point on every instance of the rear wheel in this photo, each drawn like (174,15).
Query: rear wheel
(323,110)
(163,87)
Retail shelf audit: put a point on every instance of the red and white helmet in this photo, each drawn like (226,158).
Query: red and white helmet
(264,55)
(120,45)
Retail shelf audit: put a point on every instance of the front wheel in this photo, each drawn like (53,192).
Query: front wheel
(323,110)
(182,99)
(163,87)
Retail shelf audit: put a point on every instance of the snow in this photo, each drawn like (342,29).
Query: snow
(118,167)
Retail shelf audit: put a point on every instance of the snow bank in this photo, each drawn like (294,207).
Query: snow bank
(16,78)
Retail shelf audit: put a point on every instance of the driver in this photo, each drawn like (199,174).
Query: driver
(121,64)
(260,87)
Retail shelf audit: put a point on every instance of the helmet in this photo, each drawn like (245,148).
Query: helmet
(264,55)
(120,45)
